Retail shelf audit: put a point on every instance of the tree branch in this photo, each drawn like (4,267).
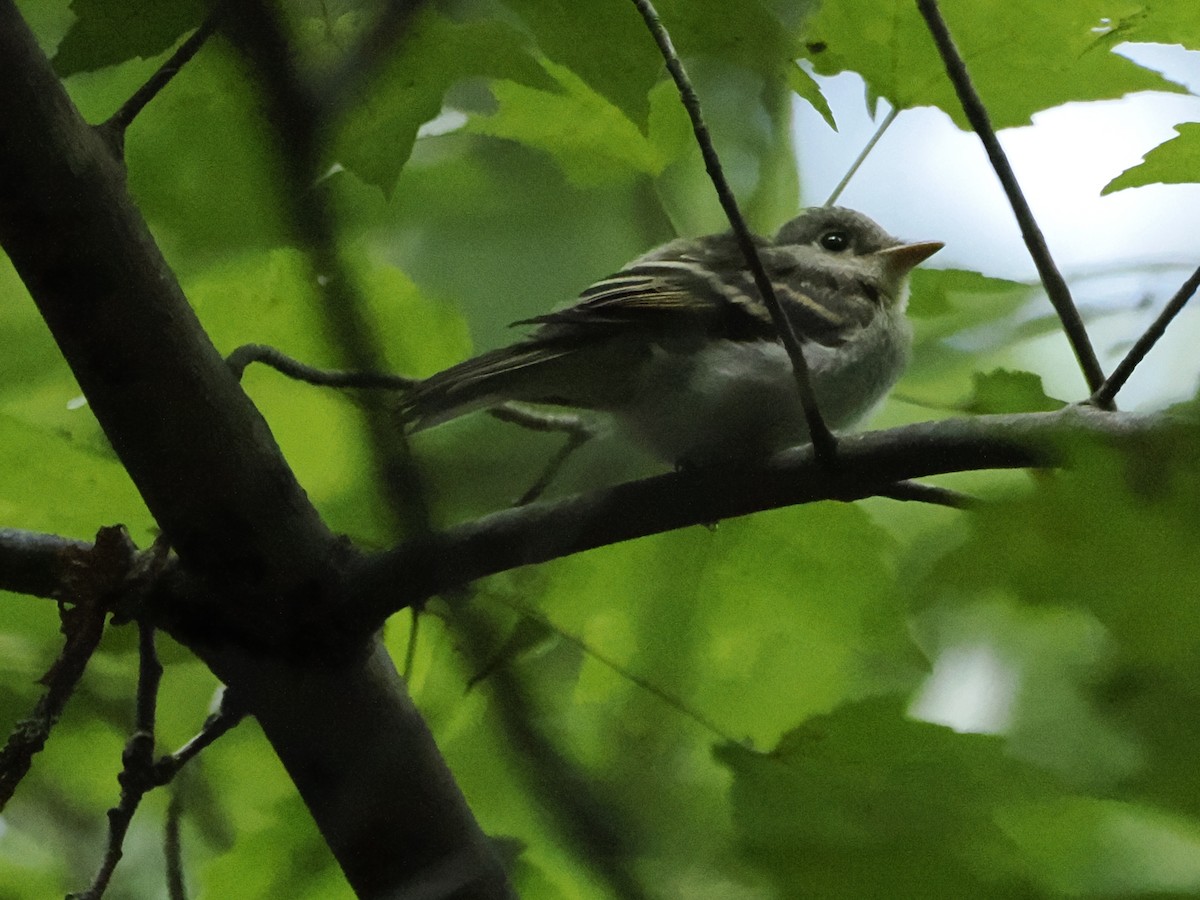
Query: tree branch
(85,579)
(868,464)
(1104,396)
(114,127)
(1035,241)
(212,475)
(822,438)
(137,773)
(160,390)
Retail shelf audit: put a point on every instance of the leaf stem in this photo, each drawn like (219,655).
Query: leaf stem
(862,157)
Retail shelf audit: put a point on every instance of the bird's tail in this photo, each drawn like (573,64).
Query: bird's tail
(520,372)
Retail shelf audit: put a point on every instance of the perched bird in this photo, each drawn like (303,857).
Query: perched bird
(680,350)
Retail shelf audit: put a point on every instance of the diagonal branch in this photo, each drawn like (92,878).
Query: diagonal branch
(893,113)
(1035,241)
(1103,397)
(114,127)
(823,440)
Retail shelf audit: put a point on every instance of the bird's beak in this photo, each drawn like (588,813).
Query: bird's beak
(903,259)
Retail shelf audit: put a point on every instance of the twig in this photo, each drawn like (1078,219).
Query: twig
(301,122)
(577,430)
(137,772)
(410,647)
(243,356)
(220,723)
(823,439)
(1035,241)
(173,847)
(1104,395)
(115,125)
(862,157)
(87,579)
(928,493)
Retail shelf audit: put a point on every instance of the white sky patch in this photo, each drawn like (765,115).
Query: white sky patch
(929,180)
(970,690)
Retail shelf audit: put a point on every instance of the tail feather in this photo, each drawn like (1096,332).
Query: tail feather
(561,373)
(478,383)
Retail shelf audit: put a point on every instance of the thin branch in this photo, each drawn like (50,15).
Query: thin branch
(114,127)
(862,157)
(1104,395)
(173,847)
(410,647)
(228,715)
(86,581)
(577,429)
(137,773)
(299,118)
(823,439)
(243,356)
(869,464)
(35,563)
(1035,241)
(928,493)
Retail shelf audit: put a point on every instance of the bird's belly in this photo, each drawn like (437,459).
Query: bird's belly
(737,399)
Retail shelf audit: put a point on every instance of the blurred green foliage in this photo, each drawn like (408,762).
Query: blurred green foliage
(743,700)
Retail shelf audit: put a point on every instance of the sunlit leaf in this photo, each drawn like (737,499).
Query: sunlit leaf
(1023,56)
(1175,162)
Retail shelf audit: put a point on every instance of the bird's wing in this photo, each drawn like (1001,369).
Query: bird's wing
(704,287)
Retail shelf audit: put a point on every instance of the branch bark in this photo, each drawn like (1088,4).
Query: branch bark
(868,464)
(212,475)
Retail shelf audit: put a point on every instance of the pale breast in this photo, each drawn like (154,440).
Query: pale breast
(738,398)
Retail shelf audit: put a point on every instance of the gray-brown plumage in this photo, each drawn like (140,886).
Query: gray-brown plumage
(680,349)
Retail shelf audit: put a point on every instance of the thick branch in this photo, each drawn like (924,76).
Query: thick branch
(868,464)
(214,479)
(164,396)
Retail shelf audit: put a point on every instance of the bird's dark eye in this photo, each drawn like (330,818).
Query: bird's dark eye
(835,241)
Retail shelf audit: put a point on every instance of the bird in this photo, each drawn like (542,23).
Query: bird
(679,349)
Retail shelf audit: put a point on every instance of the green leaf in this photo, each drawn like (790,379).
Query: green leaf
(1115,536)
(379,133)
(1159,22)
(206,131)
(756,624)
(593,141)
(1176,161)
(806,87)
(1023,55)
(840,807)
(950,300)
(1098,847)
(1005,391)
(604,44)
(107,32)
(51,482)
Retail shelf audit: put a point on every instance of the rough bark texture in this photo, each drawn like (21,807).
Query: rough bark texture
(214,479)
